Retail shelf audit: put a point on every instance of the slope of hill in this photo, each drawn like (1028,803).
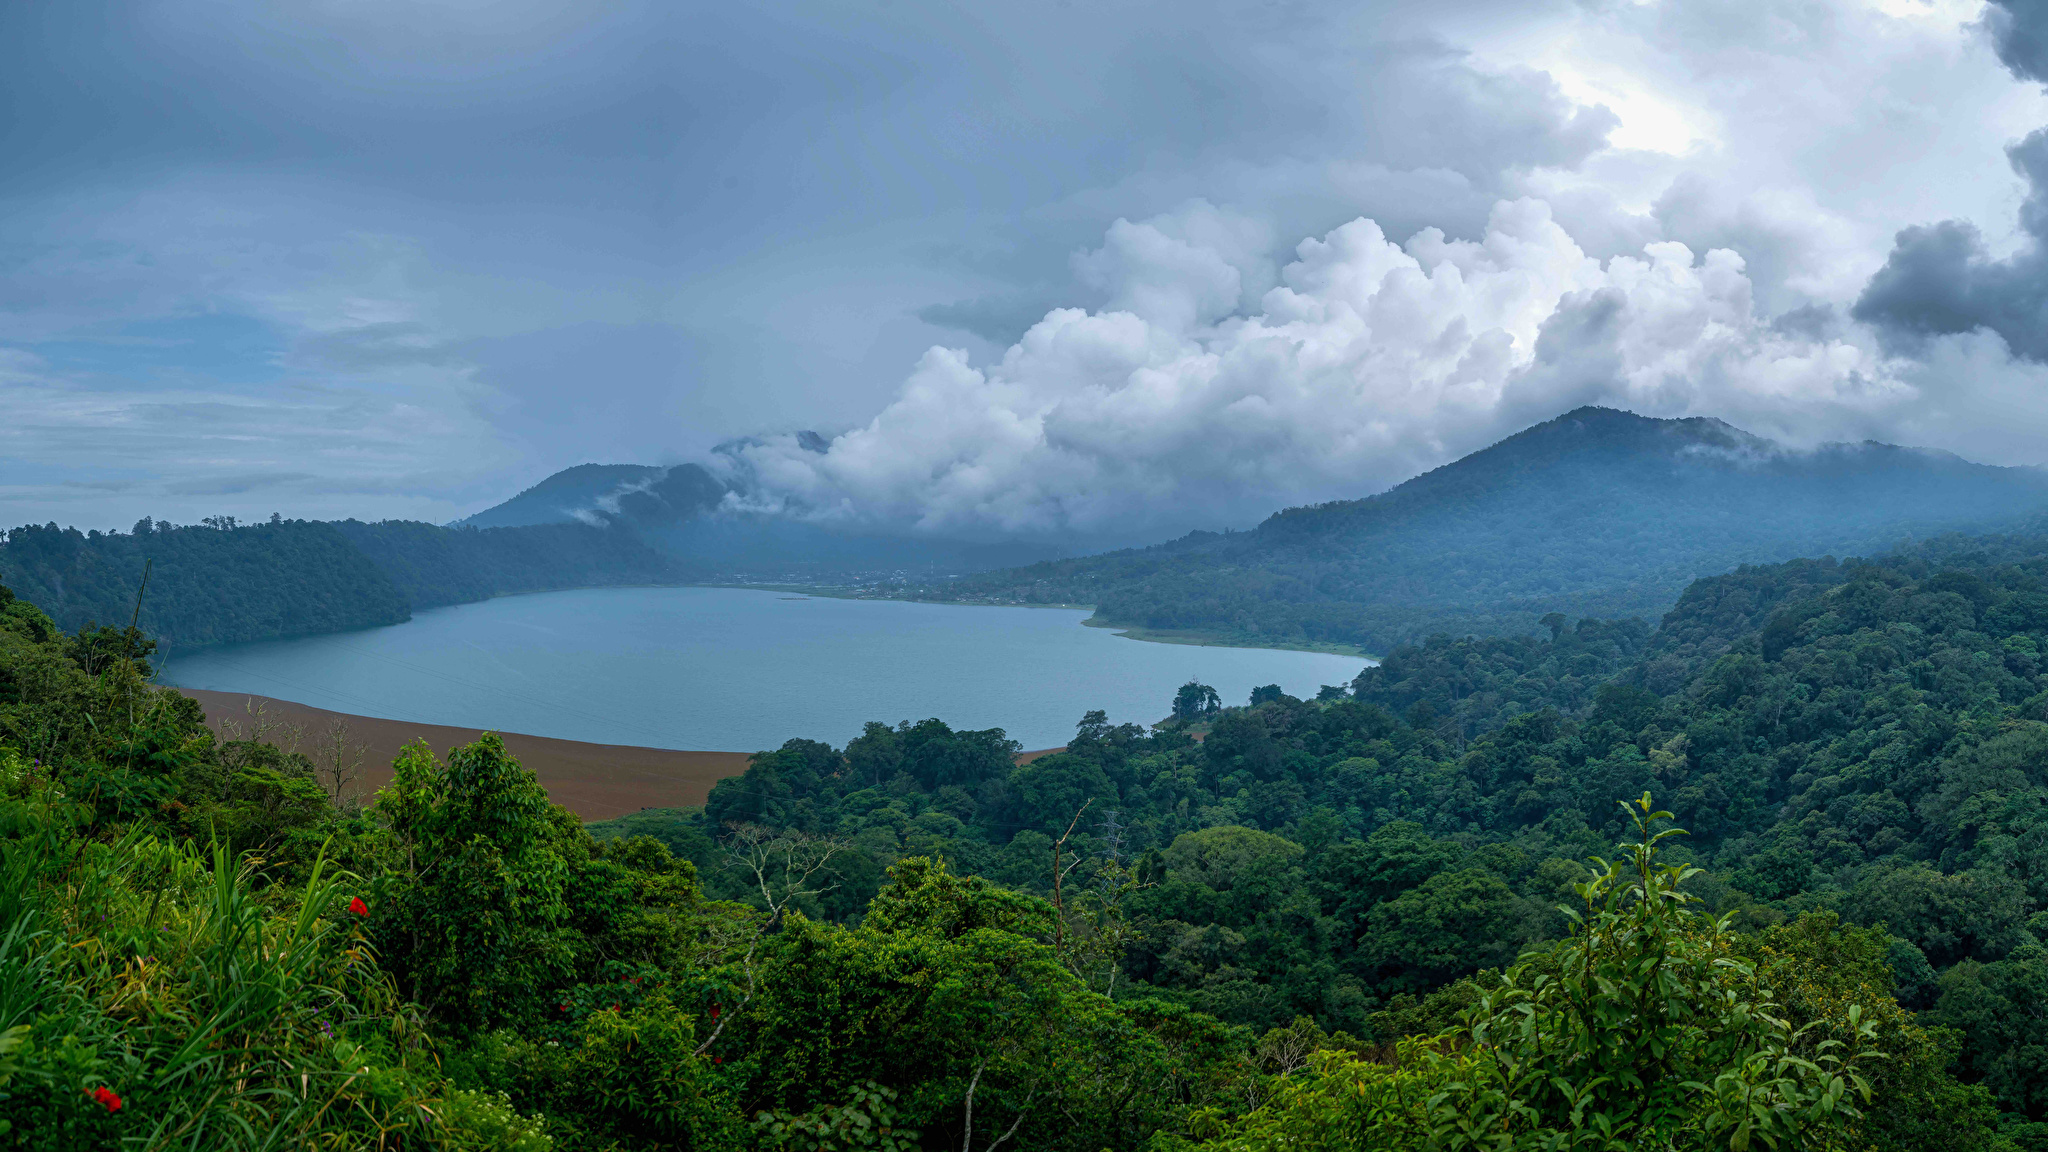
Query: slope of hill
(433,566)
(1857,749)
(1595,513)
(566,497)
(207,585)
(1227,956)
(222,583)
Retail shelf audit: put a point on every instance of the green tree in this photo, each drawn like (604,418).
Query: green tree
(2001,1009)
(1820,968)
(988,1038)
(1451,924)
(1644,1029)
(1194,701)
(470,923)
(1227,873)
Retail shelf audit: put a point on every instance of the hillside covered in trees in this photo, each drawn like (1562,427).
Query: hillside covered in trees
(208,583)
(1856,748)
(222,582)
(434,566)
(1596,513)
(576,495)
(1286,925)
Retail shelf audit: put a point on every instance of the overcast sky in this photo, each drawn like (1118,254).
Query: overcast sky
(1114,268)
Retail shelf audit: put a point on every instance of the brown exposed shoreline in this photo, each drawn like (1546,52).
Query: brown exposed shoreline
(595,781)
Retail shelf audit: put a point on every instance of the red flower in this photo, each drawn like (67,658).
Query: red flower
(718,1059)
(356,905)
(106,1096)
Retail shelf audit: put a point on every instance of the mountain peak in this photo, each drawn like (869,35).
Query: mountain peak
(571,494)
(1617,425)
(1595,512)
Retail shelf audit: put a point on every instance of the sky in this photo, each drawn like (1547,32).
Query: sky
(1057,270)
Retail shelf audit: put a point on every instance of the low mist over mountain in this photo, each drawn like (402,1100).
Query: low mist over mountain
(1597,512)
(569,496)
(685,513)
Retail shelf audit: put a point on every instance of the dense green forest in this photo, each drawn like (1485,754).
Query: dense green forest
(208,583)
(220,582)
(1857,748)
(434,566)
(1294,924)
(1596,513)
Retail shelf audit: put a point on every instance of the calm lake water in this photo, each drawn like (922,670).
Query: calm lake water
(729,669)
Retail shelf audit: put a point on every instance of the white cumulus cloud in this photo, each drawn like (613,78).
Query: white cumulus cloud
(1368,361)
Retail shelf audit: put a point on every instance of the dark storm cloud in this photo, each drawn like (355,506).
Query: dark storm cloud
(2019,30)
(1940,280)
(545,231)
(426,251)
(1810,321)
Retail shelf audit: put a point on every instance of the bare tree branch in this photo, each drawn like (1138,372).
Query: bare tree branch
(783,863)
(341,758)
(1059,923)
(967,1141)
(1022,1110)
(262,728)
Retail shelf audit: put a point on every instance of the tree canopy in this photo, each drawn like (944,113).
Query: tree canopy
(1392,918)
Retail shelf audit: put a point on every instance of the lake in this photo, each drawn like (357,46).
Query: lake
(728,669)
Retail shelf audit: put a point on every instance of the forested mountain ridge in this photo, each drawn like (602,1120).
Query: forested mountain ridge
(223,582)
(436,566)
(1595,513)
(207,585)
(1855,743)
(204,950)
(596,493)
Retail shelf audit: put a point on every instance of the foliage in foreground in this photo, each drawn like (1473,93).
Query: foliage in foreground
(1857,740)
(198,950)
(1644,1029)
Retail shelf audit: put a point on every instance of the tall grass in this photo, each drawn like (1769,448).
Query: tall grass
(222,1013)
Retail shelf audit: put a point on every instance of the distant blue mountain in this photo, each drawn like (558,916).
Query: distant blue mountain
(677,512)
(1596,513)
(573,494)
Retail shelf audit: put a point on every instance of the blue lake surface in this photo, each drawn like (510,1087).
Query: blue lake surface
(739,670)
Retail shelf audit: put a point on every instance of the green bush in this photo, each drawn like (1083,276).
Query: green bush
(1644,1029)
